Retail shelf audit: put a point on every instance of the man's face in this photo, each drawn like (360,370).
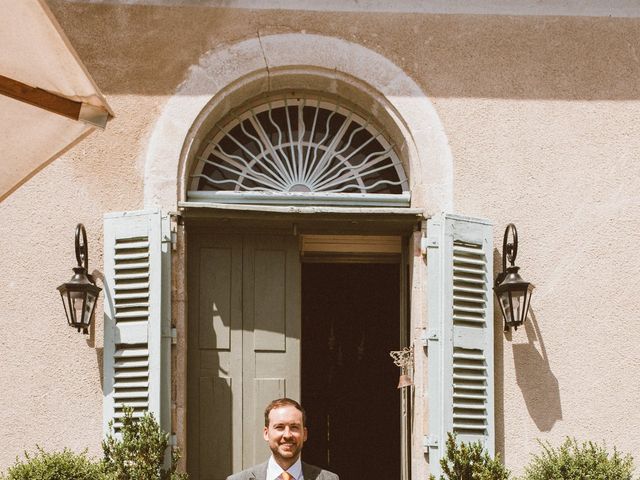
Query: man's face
(286,434)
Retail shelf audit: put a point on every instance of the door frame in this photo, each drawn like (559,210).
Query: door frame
(290,220)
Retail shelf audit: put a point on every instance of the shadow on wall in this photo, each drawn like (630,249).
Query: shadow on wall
(494,56)
(91,341)
(100,364)
(537,382)
(498,359)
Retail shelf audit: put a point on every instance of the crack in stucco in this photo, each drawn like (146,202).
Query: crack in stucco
(264,56)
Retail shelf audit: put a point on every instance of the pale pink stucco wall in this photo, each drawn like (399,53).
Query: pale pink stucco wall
(541,117)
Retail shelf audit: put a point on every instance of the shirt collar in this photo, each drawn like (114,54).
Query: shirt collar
(274,470)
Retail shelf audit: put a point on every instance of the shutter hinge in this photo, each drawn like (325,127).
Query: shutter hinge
(174,238)
(428,242)
(430,441)
(173,440)
(429,336)
(173,336)
(174,219)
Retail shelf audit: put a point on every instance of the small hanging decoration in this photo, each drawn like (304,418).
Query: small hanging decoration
(403,359)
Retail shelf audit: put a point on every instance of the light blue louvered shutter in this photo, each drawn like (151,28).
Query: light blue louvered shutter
(460,333)
(137,316)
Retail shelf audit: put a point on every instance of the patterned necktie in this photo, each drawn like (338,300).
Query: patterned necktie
(286,476)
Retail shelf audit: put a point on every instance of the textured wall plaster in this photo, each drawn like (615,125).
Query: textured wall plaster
(51,375)
(566,172)
(621,8)
(541,117)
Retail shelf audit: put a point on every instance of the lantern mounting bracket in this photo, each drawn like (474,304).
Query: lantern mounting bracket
(509,251)
(82,251)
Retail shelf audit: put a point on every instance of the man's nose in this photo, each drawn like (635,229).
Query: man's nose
(287,432)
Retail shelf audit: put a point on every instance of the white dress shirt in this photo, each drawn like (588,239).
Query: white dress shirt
(274,470)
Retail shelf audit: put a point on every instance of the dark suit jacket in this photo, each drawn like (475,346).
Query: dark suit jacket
(259,472)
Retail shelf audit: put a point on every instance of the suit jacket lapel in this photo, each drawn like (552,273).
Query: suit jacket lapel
(308,472)
(260,472)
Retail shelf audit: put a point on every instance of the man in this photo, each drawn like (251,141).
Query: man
(285,432)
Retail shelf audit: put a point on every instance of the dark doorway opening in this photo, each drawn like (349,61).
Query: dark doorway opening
(350,322)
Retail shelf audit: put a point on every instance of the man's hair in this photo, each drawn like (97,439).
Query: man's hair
(283,402)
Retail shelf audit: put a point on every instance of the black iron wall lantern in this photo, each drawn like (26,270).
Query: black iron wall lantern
(514,294)
(79,295)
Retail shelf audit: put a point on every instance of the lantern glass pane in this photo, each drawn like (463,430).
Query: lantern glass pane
(505,306)
(77,302)
(66,309)
(73,314)
(91,301)
(528,293)
(518,298)
(502,306)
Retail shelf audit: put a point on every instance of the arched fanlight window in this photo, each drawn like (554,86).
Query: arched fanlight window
(299,150)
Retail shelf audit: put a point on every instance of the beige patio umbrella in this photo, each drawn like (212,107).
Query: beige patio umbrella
(48,101)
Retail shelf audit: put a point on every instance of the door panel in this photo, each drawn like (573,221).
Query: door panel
(244,346)
(215,298)
(271,340)
(215,391)
(214,355)
(269,298)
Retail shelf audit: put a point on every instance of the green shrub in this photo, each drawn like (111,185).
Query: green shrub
(573,461)
(470,462)
(140,452)
(65,465)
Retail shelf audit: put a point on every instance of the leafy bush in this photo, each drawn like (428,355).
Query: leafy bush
(470,462)
(140,453)
(573,461)
(65,465)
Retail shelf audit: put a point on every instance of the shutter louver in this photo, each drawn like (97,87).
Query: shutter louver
(137,320)
(131,362)
(469,392)
(131,381)
(460,319)
(470,296)
(469,285)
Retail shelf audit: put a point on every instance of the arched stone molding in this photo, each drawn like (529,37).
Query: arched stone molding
(230,75)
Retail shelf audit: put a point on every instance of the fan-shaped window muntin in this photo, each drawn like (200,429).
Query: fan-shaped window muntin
(299,149)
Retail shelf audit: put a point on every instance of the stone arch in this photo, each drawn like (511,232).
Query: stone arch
(228,76)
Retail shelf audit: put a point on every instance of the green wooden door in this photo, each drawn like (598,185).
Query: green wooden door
(243,347)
